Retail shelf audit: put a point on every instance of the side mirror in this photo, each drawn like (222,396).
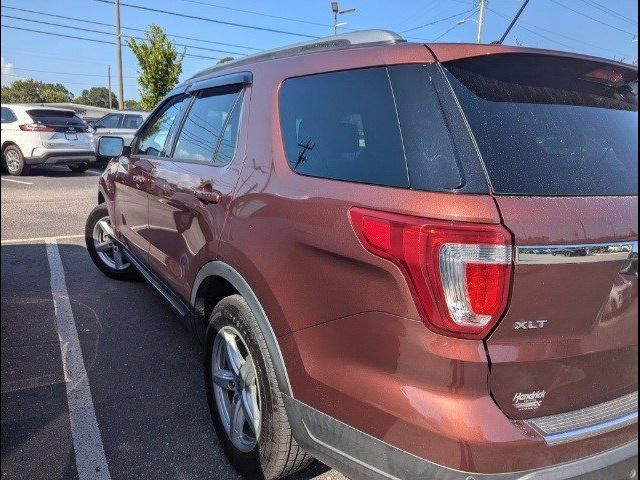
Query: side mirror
(111,147)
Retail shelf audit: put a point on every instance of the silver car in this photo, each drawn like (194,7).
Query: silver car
(121,124)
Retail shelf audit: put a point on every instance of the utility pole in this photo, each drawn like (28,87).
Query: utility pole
(109,83)
(483,6)
(119,49)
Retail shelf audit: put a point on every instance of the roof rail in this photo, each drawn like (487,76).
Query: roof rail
(346,40)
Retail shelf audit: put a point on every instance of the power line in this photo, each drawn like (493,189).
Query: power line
(578,43)
(466,12)
(42,22)
(210,20)
(106,42)
(62,73)
(104,24)
(443,34)
(609,11)
(65,82)
(262,14)
(597,20)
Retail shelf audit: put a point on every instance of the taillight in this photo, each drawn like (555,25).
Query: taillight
(36,127)
(459,273)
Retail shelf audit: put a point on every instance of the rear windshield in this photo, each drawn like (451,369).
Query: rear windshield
(55,118)
(551,126)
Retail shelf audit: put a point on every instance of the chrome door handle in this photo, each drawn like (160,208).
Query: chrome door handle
(207,197)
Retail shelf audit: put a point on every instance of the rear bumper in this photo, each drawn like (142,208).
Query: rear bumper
(361,456)
(63,156)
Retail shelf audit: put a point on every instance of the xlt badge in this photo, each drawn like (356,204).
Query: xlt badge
(530,325)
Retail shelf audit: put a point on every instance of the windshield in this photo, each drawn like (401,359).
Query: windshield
(551,126)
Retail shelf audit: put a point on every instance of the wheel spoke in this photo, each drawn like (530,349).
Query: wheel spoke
(234,358)
(117,257)
(251,410)
(104,247)
(106,228)
(237,419)
(225,379)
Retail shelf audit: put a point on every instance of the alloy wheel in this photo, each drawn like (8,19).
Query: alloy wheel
(235,388)
(108,252)
(12,159)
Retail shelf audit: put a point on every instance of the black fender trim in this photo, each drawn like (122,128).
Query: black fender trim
(220,269)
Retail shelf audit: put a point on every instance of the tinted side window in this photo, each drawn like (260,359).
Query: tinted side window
(132,121)
(7,115)
(156,139)
(343,126)
(208,127)
(109,121)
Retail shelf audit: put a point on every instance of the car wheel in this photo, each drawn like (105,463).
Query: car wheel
(78,167)
(14,161)
(244,399)
(107,256)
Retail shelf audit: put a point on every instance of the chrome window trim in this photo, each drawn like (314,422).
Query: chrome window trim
(579,253)
(570,426)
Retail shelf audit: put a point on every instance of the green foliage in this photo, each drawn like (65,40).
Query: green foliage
(97,97)
(133,105)
(35,91)
(225,60)
(160,65)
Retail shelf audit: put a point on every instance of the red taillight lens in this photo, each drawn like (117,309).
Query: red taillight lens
(36,127)
(459,273)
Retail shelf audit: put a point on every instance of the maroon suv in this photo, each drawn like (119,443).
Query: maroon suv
(405,260)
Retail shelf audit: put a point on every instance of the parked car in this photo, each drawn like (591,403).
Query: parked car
(361,231)
(35,135)
(122,124)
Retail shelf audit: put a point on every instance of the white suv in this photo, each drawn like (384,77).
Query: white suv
(37,135)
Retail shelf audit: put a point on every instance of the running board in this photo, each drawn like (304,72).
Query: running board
(181,308)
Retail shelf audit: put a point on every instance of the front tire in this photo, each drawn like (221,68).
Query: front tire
(241,387)
(106,254)
(78,167)
(14,161)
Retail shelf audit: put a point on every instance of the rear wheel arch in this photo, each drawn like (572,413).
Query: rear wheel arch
(9,143)
(219,275)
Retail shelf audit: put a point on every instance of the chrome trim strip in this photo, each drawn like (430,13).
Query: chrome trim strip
(580,253)
(592,431)
(587,422)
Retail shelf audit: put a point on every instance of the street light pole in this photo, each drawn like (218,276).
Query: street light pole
(336,11)
(483,5)
(119,53)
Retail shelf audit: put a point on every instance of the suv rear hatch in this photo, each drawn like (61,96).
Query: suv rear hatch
(59,128)
(559,139)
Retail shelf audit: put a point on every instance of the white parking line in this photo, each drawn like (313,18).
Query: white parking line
(91,461)
(15,241)
(22,182)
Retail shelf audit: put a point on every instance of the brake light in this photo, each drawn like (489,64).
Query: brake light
(36,127)
(459,273)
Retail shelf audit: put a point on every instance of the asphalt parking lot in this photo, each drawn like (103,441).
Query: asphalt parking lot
(138,388)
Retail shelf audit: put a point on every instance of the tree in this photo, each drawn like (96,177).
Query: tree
(225,60)
(160,65)
(97,97)
(132,105)
(35,91)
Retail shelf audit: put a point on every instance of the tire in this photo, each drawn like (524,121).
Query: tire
(110,260)
(78,167)
(13,161)
(276,453)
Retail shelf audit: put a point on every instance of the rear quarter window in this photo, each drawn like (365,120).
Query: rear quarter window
(7,115)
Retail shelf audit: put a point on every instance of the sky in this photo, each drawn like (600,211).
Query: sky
(606,28)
